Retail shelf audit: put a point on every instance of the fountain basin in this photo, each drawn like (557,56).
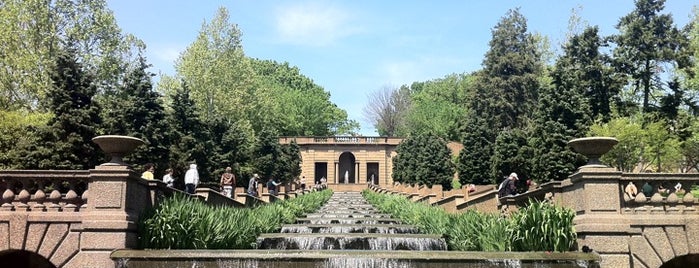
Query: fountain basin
(337,258)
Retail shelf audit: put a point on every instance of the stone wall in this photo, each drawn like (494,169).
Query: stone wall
(627,230)
(77,218)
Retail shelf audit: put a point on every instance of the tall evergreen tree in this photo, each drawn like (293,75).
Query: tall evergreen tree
(580,80)
(474,158)
(647,42)
(139,113)
(186,131)
(510,74)
(511,154)
(584,69)
(273,160)
(66,143)
(506,93)
(424,159)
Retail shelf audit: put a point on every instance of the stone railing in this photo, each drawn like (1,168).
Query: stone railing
(341,139)
(451,200)
(653,193)
(41,191)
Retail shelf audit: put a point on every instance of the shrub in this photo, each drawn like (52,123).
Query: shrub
(181,222)
(537,227)
(541,226)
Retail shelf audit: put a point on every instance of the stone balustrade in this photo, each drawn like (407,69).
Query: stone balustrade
(656,193)
(42,191)
(341,140)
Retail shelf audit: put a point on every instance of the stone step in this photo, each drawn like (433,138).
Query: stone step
(352,241)
(346,221)
(348,215)
(350,228)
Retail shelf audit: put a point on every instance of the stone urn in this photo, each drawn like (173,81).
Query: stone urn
(593,148)
(116,147)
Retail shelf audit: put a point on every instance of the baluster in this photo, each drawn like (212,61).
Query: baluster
(54,198)
(688,199)
(83,198)
(8,197)
(71,198)
(39,196)
(23,197)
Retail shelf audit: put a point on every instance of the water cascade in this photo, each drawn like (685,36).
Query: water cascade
(348,222)
(348,232)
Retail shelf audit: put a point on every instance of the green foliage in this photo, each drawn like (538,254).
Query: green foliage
(181,222)
(31,33)
(536,227)
(136,110)
(511,154)
(187,131)
(299,106)
(16,132)
(563,112)
(66,142)
(218,73)
(274,160)
(423,159)
(541,226)
(648,41)
(624,155)
(474,158)
(509,81)
(654,147)
(439,105)
(475,231)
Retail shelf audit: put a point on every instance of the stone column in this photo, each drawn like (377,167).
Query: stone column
(334,173)
(117,197)
(596,197)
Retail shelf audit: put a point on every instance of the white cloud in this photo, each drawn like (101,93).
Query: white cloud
(167,53)
(420,69)
(313,24)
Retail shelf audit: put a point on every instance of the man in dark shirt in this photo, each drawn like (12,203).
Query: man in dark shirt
(510,186)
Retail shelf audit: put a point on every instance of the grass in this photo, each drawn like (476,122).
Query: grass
(537,227)
(182,222)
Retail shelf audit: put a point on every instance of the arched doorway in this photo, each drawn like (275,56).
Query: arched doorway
(690,260)
(346,165)
(23,258)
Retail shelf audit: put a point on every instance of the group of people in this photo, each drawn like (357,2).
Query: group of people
(272,185)
(191,177)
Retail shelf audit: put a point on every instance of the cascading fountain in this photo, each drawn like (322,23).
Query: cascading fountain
(348,222)
(349,232)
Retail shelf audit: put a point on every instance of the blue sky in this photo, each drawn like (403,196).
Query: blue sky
(352,48)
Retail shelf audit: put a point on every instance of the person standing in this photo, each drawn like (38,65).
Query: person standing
(227,182)
(272,186)
(511,186)
(191,179)
(252,185)
(148,171)
(168,179)
(508,186)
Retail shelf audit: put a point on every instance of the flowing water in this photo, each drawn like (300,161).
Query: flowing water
(348,232)
(348,222)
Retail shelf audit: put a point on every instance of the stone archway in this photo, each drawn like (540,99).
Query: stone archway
(346,165)
(23,258)
(689,260)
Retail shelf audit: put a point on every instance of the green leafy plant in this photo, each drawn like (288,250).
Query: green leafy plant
(537,227)
(181,222)
(541,226)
